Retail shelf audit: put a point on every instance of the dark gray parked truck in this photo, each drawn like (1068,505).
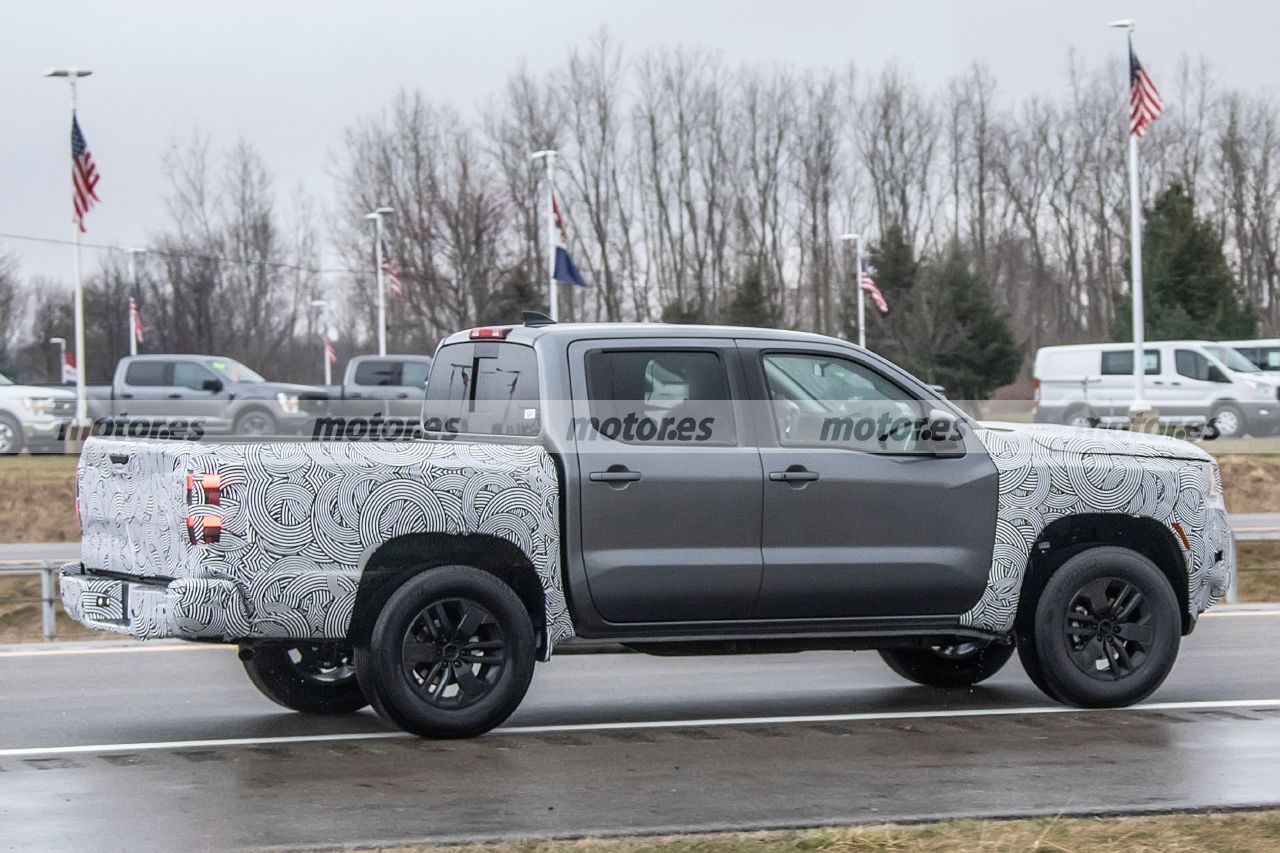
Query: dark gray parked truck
(195,395)
(676,489)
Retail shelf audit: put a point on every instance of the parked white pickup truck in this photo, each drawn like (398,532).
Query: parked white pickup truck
(677,489)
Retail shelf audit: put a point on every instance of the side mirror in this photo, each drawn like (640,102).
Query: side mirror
(1216,375)
(946,436)
(213,386)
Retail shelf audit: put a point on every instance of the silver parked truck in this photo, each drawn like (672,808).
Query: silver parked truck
(675,489)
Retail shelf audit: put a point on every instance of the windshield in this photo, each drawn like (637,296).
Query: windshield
(1234,360)
(229,368)
(4,380)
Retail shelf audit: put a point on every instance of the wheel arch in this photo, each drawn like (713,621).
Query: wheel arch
(1071,534)
(399,559)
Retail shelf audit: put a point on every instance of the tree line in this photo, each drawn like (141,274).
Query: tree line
(694,191)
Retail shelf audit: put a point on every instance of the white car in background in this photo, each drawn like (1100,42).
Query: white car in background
(1187,382)
(1264,352)
(32,416)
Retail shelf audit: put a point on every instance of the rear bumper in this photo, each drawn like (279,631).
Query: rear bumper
(185,608)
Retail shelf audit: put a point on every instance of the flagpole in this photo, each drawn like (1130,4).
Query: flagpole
(133,285)
(376,216)
(1135,249)
(862,296)
(1138,409)
(549,155)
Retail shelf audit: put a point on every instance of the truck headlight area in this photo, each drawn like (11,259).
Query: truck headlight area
(288,402)
(37,405)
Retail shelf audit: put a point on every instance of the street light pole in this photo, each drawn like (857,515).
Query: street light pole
(549,155)
(857,286)
(62,357)
(133,295)
(73,74)
(376,216)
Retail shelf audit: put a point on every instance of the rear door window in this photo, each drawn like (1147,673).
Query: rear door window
(149,373)
(378,373)
(414,373)
(668,397)
(485,388)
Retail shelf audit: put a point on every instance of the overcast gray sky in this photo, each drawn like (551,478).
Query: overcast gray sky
(289,76)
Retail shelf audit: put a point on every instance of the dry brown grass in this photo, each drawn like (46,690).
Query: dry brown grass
(1251,482)
(1246,832)
(37,499)
(20,614)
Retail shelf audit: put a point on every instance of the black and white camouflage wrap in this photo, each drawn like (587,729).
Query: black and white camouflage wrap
(299,523)
(1046,473)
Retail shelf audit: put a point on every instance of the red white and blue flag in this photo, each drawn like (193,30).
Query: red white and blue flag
(565,269)
(869,287)
(390,271)
(84,175)
(330,354)
(1145,103)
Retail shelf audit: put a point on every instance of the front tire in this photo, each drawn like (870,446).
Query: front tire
(256,423)
(10,436)
(314,678)
(1106,630)
(962,663)
(1229,422)
(1079,417)
(451,654)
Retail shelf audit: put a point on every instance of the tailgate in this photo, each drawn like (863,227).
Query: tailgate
(133,506)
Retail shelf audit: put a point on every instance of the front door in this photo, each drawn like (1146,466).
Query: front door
(670,482)
(861,517)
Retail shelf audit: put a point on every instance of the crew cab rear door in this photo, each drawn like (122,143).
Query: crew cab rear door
(854,526)
(669,479)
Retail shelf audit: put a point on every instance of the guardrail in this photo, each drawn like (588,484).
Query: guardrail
(48,590)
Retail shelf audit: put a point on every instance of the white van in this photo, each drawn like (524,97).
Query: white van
(1186,382)
(1265,353)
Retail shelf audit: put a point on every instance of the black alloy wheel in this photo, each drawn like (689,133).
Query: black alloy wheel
(314,678)
(453,653)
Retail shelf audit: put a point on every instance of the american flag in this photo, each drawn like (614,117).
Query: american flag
(135,319)
(330,354)
(84,175)
(869,286)
(1145,104)
(390,271)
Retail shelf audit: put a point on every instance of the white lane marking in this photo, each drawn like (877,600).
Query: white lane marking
(1219,614)
(1035,710)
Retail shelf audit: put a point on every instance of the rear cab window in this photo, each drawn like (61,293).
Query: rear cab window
(484,388)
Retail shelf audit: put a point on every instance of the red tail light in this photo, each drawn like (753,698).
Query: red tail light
(204,490)
(489,333)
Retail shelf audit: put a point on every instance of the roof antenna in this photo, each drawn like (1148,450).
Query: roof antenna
(536,318)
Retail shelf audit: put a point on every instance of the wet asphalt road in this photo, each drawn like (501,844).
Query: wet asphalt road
(123,747)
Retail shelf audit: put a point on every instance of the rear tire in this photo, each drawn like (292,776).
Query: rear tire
(1106,630)
(963,663)
(451,654)
(314,678)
